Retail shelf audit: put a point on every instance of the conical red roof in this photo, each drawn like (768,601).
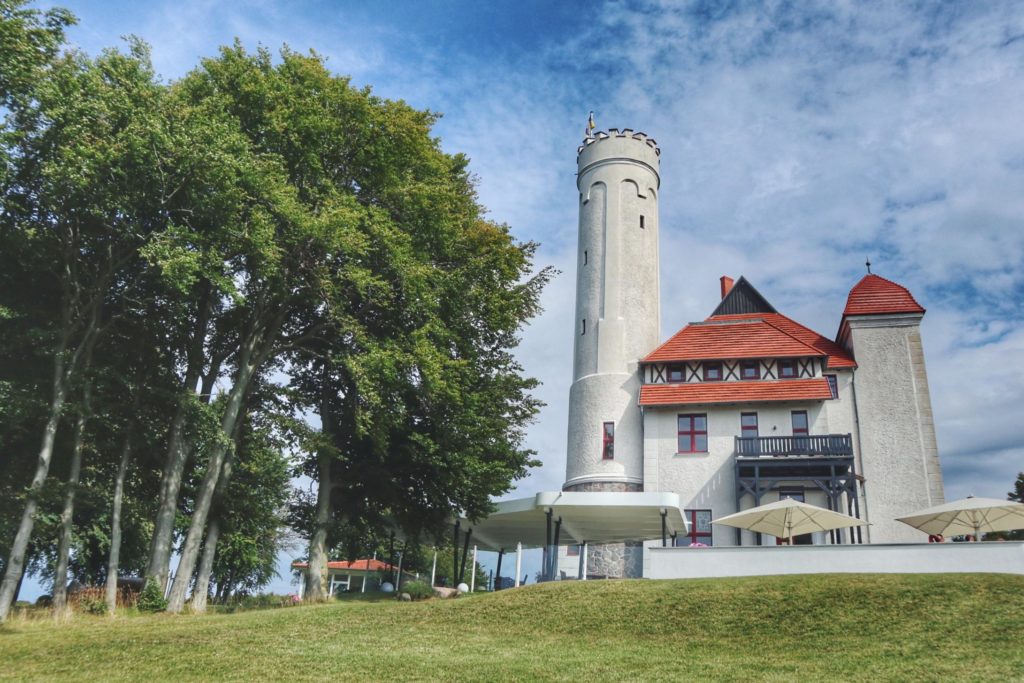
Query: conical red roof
(875,295)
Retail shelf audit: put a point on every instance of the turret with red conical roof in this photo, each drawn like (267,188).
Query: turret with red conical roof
(881,329)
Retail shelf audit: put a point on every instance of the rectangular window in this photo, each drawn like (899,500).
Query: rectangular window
(833,385)
(748,425)
(584,257)
(573,550)
(608,441)
(641,220)
(795,494)
(800,423)
(700,529)
(693,433)
(675,373)
(584,326)
(712,372)
(750,369)
(787,368)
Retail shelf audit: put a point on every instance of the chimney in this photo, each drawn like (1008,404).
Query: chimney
(726,285)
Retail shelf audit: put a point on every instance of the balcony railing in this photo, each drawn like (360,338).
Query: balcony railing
(824,444)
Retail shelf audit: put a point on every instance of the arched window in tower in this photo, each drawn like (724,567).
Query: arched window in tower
(608,441)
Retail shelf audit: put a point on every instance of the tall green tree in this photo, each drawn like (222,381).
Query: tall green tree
(75,141)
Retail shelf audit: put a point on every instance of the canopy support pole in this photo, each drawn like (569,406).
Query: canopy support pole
(465,554)
(664,528)
(433,570)
(497,573)
(472,576)
(455,549)
(391,558)
(554,549)
(401,557)
(547,543)
(583,559)
(519,562)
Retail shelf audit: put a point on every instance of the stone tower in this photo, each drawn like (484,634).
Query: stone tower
(899,456)
(617,321)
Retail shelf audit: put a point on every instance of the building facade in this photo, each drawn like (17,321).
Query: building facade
(745,407)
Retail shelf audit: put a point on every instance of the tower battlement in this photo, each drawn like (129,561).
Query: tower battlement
(616,133)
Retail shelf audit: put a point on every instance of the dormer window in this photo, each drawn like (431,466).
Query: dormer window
(787,368)
(675,373)
(750,369)
(712,372)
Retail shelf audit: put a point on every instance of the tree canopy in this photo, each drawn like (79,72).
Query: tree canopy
(209,286)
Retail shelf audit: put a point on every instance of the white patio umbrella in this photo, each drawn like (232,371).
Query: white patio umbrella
(968,516)
(787,518)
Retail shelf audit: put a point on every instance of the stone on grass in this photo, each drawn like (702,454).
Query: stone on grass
(405,597)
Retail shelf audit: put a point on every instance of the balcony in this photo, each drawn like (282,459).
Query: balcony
(780,446)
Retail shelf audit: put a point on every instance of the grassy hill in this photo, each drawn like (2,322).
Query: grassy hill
(825,627)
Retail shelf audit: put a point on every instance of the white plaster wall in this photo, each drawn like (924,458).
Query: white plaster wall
(707,481)
(899,458)
(617,295)
(915,558)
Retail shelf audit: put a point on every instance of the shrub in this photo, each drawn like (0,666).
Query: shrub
(90,605)
(89,599)
(244,603)
(418,590)
(151,599)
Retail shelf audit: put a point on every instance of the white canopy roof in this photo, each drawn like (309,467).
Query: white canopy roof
(594,517)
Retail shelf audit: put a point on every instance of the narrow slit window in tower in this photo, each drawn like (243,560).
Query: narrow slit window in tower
(641,220)
(584,321)
(584,257)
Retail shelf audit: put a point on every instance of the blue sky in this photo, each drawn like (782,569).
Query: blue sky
(797,139)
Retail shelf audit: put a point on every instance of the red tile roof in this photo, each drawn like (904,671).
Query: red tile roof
(816,389)
(749,335)
(360,565)
(876,295)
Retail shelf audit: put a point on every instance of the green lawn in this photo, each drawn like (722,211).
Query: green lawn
(826,627)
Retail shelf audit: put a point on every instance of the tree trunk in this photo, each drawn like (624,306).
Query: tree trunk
(62,374)
(16,560)
(60,574)
(201,590)
(247,363)
(177,455)
(114,560)
(316,570)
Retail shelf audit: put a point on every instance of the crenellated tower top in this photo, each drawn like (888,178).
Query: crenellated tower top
(619,146)
(600,135)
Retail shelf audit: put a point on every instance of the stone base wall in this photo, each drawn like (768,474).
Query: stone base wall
(613,560)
